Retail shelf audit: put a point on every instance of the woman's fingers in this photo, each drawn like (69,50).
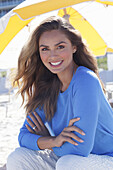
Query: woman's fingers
(38,118)
(68,139)
(32,125)
(37,125)
(30,130)
(74,128)
(35,121)
(68,132)
(30,122)
(72,135)
(73,121)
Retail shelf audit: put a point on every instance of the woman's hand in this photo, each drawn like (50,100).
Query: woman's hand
(37,125)
(67,134)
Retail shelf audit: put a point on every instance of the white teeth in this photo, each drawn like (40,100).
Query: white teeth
(57,63)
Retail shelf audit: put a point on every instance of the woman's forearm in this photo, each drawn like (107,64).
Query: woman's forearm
(46,142)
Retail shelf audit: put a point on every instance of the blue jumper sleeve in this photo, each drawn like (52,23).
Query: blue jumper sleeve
(27,139)
(86,104)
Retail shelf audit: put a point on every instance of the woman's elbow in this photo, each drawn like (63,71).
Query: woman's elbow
(85,151)
(20,138)
(85,154)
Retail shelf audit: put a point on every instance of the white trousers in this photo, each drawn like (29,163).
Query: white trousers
(25,159)
(92,162)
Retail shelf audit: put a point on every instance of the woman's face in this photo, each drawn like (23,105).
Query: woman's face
(56,51)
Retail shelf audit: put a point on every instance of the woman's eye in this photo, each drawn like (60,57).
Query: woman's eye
(44,49)
(60,47)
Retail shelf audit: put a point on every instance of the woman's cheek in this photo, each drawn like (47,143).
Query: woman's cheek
(44,57)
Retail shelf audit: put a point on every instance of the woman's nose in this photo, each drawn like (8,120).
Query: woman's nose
(53,53)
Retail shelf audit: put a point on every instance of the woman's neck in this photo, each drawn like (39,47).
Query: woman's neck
(66,78)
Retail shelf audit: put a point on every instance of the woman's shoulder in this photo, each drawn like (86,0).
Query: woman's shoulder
(84,74)
(85,77)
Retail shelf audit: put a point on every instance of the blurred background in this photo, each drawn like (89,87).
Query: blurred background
(9,104)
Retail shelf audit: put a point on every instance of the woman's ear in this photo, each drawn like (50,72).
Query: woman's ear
(74,49)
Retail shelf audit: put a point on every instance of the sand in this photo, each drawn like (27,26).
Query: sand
(10,123)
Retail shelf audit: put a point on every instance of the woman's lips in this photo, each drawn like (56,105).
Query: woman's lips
(55,64)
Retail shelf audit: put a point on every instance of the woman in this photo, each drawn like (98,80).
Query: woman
(59,76)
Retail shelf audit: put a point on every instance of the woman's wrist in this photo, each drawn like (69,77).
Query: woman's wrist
(46,142)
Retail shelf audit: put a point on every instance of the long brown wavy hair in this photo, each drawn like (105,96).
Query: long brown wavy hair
(37,85)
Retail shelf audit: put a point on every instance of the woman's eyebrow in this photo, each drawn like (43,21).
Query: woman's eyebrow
(42,45)
(60,43)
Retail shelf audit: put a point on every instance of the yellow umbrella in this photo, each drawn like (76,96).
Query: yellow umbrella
(46,6)
(27,11)
(14,25)
(43,7)
(109,2)
(109,50)
(94,40)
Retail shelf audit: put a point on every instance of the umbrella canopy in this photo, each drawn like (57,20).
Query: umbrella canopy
(109,2)
(47,6)
(110,50)
(37,7)
(94,40)
(13,23)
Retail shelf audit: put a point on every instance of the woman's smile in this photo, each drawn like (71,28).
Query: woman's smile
(56,52)
(56,64)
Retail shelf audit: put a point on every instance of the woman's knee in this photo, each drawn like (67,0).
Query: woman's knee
(62,163)
(16,158)
(74,162)
(69,162)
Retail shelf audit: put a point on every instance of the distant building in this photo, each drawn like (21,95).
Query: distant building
(110,61)
(7,5)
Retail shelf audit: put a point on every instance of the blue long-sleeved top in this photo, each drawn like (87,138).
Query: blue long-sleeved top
(84,98)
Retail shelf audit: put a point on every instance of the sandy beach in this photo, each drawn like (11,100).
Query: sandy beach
(11,119)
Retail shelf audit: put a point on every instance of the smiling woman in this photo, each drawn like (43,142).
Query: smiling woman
(57,55)
(59,76)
